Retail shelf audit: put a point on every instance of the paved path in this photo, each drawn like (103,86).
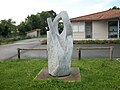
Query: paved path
(9,51)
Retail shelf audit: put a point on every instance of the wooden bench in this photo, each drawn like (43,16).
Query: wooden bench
(95,48)
(29,49)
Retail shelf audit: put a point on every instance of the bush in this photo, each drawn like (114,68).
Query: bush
(96,41)
(11,40)
(0,41)
(6,40)
(43,42)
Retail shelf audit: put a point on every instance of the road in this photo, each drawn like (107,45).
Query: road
(9,51)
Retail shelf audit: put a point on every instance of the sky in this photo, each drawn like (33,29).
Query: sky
(18,10)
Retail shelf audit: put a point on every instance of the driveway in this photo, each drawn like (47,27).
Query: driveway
(9,51)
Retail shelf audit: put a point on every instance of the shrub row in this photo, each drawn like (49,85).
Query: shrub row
(96,41)
(11,40)
(90,42)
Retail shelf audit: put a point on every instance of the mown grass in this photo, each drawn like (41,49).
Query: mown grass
(95,74)
(43,36)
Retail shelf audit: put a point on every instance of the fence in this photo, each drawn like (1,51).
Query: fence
(19,49)
(79,50)
(95,48)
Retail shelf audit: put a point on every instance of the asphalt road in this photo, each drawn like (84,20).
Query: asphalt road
(9,51)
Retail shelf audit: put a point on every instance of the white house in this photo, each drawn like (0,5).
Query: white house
(35,32)
(97,26)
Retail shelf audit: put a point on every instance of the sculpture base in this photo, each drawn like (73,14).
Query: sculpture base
(74,75)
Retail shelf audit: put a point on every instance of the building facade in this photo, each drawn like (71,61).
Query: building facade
(98,26)
(35,32)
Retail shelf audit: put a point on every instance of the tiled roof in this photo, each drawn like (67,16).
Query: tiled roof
(109,14)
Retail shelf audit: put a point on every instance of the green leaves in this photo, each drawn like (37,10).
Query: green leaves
(7,28)
(115,7)
(36,21)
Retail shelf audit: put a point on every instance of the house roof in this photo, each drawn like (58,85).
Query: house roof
(104,15)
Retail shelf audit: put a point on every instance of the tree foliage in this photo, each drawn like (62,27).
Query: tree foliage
(44,15)
(36,21)
(115,7)
(23,28)
(7,28)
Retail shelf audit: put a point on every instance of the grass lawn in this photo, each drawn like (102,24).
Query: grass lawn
(96,74)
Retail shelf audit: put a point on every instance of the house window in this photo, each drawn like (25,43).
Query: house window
(78,27)
(75,28)
(112,29)
(88,29)
(81,27)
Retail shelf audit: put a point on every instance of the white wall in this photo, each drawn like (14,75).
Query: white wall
(78,30)
(75,27)
(78,36)
(34,33)
(100,29)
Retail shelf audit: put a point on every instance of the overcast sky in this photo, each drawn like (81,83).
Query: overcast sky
(18,10)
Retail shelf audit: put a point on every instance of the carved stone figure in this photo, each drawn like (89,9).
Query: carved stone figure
(60,46)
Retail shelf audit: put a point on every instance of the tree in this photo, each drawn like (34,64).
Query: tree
(7,28)
(44,15)
(23,28)
(33,21)
(115,7)
(60,27)
(38,21)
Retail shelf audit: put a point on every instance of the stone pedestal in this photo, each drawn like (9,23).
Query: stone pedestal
(74,75)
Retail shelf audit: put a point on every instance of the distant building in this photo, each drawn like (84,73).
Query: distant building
(97,26)
(35,32)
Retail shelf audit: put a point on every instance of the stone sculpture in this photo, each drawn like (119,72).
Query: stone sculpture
(60,46)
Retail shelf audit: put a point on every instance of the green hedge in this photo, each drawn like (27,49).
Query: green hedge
(96,41)
(90,41)
(11,40)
